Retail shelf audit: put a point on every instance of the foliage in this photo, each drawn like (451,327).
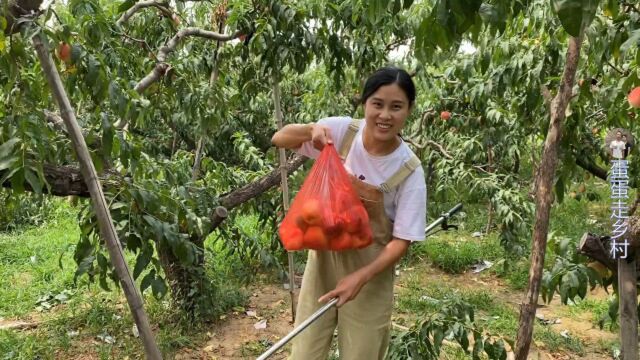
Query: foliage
(453,321)
(569,276)
(25,210)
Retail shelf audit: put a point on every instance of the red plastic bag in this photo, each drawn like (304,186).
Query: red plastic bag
(327,213)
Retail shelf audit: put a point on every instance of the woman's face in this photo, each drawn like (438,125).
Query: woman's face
(385,112)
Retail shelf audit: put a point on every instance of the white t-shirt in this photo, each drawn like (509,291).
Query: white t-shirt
(405,205)
(618,148)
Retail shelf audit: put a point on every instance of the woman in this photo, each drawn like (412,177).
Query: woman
(390,181)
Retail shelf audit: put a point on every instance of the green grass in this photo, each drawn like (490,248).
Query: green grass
(594,307)
(29,265)
(455,252)
(30,268)
(517,277)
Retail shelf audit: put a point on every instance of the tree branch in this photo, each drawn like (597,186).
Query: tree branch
(161,67)
(615,68)
(433,144)
(160,4)
(18,9)
(252,190)
(588,165)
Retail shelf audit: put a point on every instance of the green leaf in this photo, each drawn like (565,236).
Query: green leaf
(559,190)
(158,287)
(575,15)
(33,180)
(631,41)
(7,147)
(126,5)
(8,162)
(3,24)
(17,181)
(478,346)
(147,280)
(141,263)
(184,252)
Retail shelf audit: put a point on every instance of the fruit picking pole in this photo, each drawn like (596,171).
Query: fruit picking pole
(443,219)
(299,329)
(272,350)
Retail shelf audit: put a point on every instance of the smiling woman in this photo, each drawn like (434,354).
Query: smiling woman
(390,182)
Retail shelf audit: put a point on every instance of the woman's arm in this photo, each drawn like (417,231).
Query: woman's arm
(292,136)
(349,287)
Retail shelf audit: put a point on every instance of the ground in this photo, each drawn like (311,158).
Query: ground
(45,315)
(236,337)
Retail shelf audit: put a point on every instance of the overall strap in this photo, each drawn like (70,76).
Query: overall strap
(401,174)
(354,126)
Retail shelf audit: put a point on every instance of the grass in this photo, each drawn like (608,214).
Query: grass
(30,269)
(455,252)
(29,265)
(594,308)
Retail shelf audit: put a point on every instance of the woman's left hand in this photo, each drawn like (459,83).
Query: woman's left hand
(347,289)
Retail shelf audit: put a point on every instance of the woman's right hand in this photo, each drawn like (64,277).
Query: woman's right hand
(321,136)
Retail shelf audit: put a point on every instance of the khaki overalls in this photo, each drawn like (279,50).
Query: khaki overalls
(363,323)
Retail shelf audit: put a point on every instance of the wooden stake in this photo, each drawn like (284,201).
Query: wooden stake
(628,295)
(100,207)
(285,194)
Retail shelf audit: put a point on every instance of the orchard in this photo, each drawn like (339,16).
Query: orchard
(145,211)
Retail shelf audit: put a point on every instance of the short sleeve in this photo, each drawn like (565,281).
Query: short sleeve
(411,210)
(337,125)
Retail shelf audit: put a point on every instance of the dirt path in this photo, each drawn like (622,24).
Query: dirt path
(237,338)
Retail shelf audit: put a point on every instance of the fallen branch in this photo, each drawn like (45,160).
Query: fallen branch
(18,325)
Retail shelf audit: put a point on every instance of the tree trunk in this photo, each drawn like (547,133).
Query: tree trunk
(196,164)
(212,80)
(107,230)
(490,169)
(544,190)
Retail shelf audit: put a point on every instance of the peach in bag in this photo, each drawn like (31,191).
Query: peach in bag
(327,213)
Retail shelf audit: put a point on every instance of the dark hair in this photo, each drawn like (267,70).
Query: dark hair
(386,76)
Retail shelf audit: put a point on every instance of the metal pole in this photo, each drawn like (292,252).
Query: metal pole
(443,217)
(298,330)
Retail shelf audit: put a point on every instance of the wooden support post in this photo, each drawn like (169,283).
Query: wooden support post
(107,230)
(628,295)
(285,194)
